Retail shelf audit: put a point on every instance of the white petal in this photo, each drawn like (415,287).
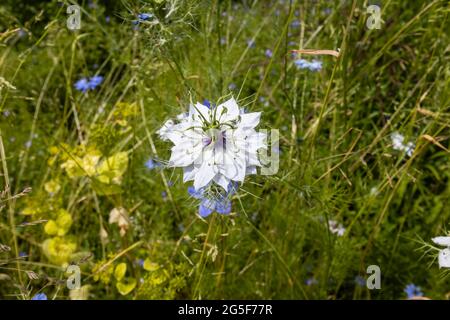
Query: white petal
(444,258)
(183,116)
(222,181)
(167,126)
(206,172)
(250,120)
(443,241)
(203,177)
(397,141)
(199,113)
(181,156)
(189,173)
(253,159)
(229,110)
(233,167)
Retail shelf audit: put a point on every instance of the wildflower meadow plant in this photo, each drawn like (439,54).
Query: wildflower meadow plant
(115,183)
(412,291)
(398,143)
(314,65)
(39,296)
(86,84)
(217,147)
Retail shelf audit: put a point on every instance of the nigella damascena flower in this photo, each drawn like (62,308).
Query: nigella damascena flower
(336,228)
(398,144)
(39,296)
(444,254)
(218,145)
(412,291)
(95,81)
(85,84)
(82,85)
(314,65)
(143,17)
(214,200)
(152,164)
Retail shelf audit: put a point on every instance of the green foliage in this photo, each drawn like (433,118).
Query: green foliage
(84,154)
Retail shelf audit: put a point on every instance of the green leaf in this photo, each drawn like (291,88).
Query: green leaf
(150,266)
(104,189)
(112,168)
(120,271)
(125,288)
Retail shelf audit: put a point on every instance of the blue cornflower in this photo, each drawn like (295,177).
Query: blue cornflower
(360,281)
(152,164)
(22,254)
(107,19)
(231,86)
(39,296)
(164,194)
(269,53)
(82,85)
(412,290)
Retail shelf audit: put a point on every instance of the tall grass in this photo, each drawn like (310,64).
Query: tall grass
(337,158)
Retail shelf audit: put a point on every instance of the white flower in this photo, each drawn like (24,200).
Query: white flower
(397,141)
(398,144)
(336,228)
(444,254)
(218,144)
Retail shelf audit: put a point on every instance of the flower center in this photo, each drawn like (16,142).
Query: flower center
(214,136)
